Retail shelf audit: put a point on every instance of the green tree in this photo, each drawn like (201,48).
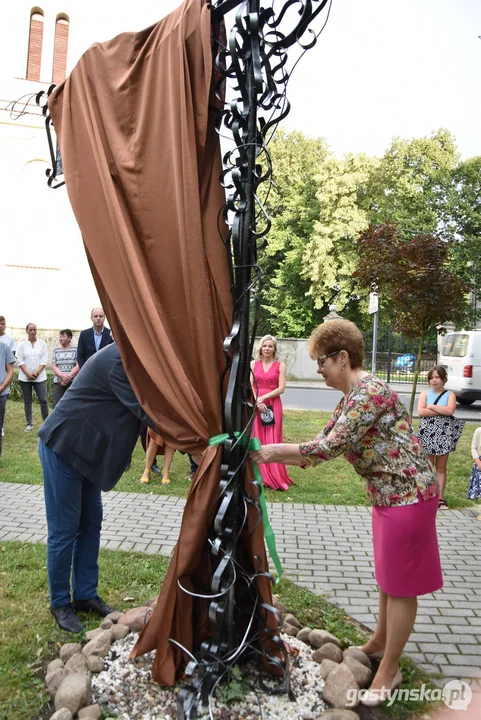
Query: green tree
(331,255)
(294,208)
(414,274)
(463,217)
(412,183)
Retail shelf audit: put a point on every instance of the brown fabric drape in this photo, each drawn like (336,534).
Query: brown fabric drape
(141,159)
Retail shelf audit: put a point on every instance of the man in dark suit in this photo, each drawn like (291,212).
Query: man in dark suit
(94,338)
(85,446)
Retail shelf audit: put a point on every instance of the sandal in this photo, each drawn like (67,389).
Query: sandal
(165,481)
(145,479)
(443,505)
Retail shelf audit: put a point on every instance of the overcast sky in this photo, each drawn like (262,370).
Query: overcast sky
(383,68)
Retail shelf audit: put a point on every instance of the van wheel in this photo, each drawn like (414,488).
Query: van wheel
(463,401)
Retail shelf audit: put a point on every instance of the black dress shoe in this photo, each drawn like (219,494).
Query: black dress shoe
(95,604)
(155,468)
(66,618)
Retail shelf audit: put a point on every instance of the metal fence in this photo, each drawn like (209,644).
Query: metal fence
(396,356)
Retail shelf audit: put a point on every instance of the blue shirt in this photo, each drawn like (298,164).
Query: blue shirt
(6,357)
(97,339)
(431,398)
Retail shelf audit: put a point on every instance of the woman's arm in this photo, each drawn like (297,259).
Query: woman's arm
(280,388)
(448,409)
(57,372)
(423,409)
(285,453)
(475,449)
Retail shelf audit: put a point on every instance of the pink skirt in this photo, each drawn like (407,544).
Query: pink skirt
(406,552)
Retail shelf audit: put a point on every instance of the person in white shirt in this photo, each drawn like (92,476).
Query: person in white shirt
(32,356)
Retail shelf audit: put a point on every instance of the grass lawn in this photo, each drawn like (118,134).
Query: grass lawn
(29,638)
(333,483)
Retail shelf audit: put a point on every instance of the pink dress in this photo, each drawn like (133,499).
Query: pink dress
(274,475)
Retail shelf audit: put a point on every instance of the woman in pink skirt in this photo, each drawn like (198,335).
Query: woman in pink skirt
(268,384)
(371,428)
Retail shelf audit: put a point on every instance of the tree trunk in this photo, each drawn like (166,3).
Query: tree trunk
(416,373)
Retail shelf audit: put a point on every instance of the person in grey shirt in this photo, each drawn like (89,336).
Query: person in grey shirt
(7,360)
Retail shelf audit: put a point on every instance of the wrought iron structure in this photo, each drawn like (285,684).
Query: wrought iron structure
(254,67)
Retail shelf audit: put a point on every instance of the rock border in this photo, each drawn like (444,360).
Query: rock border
(68,677)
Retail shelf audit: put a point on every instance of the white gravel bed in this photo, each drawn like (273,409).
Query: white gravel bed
(127,690)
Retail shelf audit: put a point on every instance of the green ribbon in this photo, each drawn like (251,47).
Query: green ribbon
(270,538)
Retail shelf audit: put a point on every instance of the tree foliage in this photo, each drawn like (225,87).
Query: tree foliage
(414,274)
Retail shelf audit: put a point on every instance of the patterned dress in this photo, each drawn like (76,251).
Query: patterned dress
(274,475)
(372,429)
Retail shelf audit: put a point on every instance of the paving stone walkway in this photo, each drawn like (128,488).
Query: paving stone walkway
(325,548)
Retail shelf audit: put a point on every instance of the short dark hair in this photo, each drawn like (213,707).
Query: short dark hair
(66,332)
(441,371)
(28,325)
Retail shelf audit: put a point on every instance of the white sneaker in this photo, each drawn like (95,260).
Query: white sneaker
(29,428)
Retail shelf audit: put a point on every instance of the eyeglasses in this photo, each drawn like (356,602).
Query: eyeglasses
(322,360)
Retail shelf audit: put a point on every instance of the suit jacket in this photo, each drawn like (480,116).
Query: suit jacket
(95,426)
(86,344)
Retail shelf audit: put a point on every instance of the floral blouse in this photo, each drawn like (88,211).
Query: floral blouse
(371,427)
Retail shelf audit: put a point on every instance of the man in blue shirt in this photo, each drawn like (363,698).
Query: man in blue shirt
(94,338)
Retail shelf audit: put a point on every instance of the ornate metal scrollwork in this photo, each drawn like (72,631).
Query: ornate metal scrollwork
(254,66)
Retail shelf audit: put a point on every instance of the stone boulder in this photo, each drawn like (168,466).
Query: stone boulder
(54,678)
(69,649)
(292,620)
(338,714)
(279,606)
(303,634)
(362,674)
(73,693)
(290,630)
(92,712)
(152,602)
(99,646)
(358,655)
(340,688)
(95,663)
(318,638)
(326,667)
(118,632)
(57,663)
(76,664)
(91,634)
(114,616)
(328,651)
(106,624)
(136,618)
(62,714)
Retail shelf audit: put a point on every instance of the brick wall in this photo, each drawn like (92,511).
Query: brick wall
(34,59)
(60,51)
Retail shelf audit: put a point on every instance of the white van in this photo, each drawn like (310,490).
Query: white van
(461,356)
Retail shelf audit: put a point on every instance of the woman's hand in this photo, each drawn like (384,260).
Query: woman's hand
(263,455)
(261,406)
(285,453)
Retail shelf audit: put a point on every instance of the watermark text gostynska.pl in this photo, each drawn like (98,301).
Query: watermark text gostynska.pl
(456,694)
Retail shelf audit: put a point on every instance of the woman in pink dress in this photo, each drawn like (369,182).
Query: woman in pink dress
(268,384)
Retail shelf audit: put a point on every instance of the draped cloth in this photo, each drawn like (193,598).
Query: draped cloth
(141,160)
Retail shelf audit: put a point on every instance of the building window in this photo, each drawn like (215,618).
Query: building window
(35,38)
(60,49)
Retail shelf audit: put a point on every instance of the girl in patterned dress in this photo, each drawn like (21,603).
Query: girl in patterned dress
(371,428)
(435,404)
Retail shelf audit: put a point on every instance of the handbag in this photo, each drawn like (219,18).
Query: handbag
(446,426)
(267,417)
